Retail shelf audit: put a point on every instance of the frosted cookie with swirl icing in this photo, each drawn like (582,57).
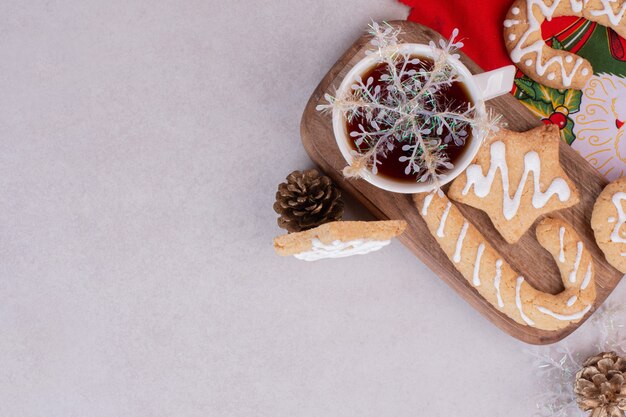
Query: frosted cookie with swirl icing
(555,68)
(339,239)
(498,283)
(515,178)
(608,221)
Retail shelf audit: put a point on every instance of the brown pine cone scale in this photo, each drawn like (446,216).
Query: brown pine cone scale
(600,386)
(307,200)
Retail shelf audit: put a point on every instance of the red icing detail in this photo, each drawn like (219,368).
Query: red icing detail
(619,123)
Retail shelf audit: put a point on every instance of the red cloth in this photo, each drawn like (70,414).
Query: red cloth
(479,24)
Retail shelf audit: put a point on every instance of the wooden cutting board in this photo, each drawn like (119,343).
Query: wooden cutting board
(527,257)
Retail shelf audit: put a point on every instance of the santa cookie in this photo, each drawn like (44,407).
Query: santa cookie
(339,239)
(515,178)
(551,67)
(607,222)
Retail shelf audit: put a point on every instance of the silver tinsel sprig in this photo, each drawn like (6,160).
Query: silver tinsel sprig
(610,324)
(556,366)
(407,107)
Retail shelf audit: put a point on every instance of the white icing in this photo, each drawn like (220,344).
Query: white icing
(340,249)
(577,5)
(496,282)
(512,37)
(442,222)
(479,255)
(459,243)
(611,219)
(427,200)
(572,300)
(587,277)
(534,25)
(482,184)
(528,62)
(564,317)
(579,254)
(621,217)
(569,59)
(607,11)
(561,252)
(510,22)
(585,71)
(551,76)
(518,302)
(457,256)
(515,10)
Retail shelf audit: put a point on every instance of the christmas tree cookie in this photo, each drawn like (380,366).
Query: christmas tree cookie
(515,178)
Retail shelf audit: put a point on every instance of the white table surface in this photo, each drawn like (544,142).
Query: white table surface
(141,144)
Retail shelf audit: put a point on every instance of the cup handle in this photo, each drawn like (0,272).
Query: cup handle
(495,83)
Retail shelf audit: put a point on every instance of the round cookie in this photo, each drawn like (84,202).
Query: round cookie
(607,222)
(551,67)
(339,239)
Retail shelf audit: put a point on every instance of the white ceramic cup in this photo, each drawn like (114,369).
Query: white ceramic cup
(481,87)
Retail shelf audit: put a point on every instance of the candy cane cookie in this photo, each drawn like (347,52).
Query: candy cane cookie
(498,283)
(548,66)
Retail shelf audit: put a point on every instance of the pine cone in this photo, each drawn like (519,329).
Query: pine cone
(600,386)
(307,200)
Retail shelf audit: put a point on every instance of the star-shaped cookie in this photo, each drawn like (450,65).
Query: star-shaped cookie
(515,178)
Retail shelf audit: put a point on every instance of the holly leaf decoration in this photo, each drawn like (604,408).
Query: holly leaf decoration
(525,85)
(534,90)
(567,133)
(543,93)
(572,99)
(538,107)
(544,101)
(557,97)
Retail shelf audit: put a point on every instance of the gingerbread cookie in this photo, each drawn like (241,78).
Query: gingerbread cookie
(339,239)
(551,67)
(607,221)
(496,281)
(515,178)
